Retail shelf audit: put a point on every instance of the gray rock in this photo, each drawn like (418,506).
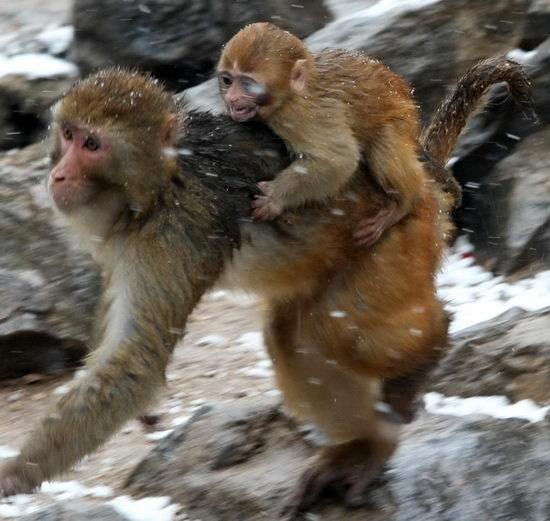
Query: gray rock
(25,107)
(178,40)
(76,511)
(504,167)
(199,463)
(447,469)
(459,469)
(512,210)
(509,355)
(31,14)
(48,289)
(537,26)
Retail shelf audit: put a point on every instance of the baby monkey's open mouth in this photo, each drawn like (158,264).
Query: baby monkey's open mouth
(243,113)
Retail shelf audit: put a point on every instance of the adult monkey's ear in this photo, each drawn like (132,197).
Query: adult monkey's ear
(171,130)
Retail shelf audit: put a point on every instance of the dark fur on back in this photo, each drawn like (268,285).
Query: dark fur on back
(223,161)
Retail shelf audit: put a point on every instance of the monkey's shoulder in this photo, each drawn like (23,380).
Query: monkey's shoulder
(222,139)
(331,59)
(355,71)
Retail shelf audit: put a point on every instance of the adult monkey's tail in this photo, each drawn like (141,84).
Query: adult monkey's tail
(440,136)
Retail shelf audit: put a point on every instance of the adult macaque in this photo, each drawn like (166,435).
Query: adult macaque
(331,109)
(157,198)
(162,222)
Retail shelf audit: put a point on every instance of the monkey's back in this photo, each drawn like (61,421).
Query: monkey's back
(365,311)
(372,94)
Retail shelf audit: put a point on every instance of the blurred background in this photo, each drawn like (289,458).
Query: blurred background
(490,461)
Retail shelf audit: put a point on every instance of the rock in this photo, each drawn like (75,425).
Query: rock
(53,40)
(232,463)
(220,452)
(472,468)
(512,210)
(25,107)
(32,14)
(178,40)
(537,26)
(509,355)
(32,76)
(503,165)
(48,289)
(76,510)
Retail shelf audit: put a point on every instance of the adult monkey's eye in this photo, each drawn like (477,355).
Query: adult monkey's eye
(67,134)
(91,144)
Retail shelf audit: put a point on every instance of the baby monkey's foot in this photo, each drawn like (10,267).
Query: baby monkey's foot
(264,207)
(372,228)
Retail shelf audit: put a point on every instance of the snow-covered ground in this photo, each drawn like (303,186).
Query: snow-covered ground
(495,406)
(146,509)
(36,66)
(474,295)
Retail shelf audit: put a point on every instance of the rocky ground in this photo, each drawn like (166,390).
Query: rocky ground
(15,16)
(226,366)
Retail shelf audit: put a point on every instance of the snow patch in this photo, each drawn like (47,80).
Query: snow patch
(64,490)
(7,452)
(216,295)
(252,341)
(259,372)
(384,7)
(146,509)
(495,406)
(157,508)
(180,420)
(57,39)
(36,66)
(158,435)
(17,506)
(9,510)
(521,56)
(63,388)
(211,340)
(475,295)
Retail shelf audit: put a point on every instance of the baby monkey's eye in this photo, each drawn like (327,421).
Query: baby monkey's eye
(91,144)
(253,88)
(226,80)
(249,85)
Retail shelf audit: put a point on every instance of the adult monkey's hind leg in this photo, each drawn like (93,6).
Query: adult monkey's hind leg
(339,402)
(403,393)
